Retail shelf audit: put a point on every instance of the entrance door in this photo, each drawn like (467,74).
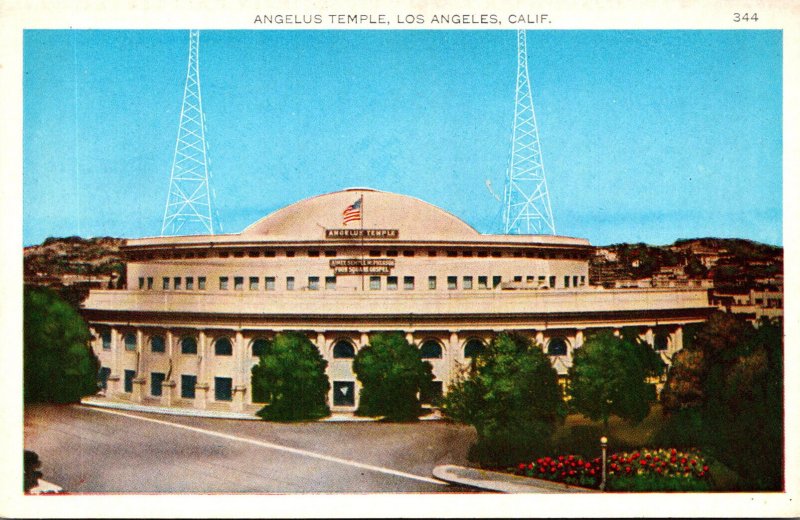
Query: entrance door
(344,393)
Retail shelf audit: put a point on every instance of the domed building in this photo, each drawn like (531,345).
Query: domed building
(197,310)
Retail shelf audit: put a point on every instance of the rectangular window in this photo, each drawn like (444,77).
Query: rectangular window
(189,283)
(177,282)
(201,283)
(467,282)
(432,252)
(330,283)
(313,283)
(156,378)
(269,253)
(518,279)
(106,338)
(238,254)
(452,282)
(269,283)
(408,253)
(408,283)
(289,254)
(574,281)
(451,254)
(566,281)
(290,283)
(374,283)
(141,283)
(391,252)
(583,280)
(313,253)
(330,253)
(466,253)
(431,282)
(541,281)
(496,280)
(391,283)
(253,254)
(129,375)
(254,283)
(238,283)
(149,283)
(187,386)
(552,282)
(165,283)
(223,387)
(374,253)
(223,283)
(496,254)
(483,282)
(530,279)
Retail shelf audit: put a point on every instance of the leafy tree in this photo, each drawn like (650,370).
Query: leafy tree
(608,377)
(59,365)
(728,384)
(292,374)
(511,397)
(392,374)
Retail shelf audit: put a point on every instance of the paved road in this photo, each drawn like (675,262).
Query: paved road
(87,450)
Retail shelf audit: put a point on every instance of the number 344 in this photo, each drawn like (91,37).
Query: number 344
(745,17)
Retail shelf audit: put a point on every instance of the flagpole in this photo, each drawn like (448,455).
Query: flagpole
(361,232)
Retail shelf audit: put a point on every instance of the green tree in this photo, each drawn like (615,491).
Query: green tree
(511,397)
(59,365)
(292,374)
(392,374)
(608,377)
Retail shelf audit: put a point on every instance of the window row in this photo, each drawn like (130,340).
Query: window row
(332,253)
(315,283)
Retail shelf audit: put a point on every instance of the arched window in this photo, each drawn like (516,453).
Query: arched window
(223,347)
(344,350)
(157,344)
(473,348)
(105,335)
(661,341)
(430,350)
(130,341)
(188,346)
(557,347)
(260,347)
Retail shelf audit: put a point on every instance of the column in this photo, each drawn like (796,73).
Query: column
(579,338)
(139,382)
(540,339)
(239,387)
(116,365)
(410,337)
(364,339)
(677,340)
(454,351)
(649,336)
(201,388)
(168,387)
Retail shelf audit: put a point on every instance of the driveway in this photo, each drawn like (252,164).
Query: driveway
(90,450)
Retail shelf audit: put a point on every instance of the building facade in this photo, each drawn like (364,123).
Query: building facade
(338,267)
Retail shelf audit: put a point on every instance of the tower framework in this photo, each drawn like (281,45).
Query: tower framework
(526,200)
(188,209)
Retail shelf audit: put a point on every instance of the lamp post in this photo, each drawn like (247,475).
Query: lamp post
(603,447)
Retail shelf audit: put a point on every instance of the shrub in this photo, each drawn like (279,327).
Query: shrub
(392,375)
(59,365)
(291,372)
(512,398)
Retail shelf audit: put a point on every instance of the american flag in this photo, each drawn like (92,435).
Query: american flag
(352,212)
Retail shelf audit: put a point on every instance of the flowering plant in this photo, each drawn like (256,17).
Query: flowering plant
(653,466)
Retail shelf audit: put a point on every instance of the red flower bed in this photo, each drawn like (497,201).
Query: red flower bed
(644,465)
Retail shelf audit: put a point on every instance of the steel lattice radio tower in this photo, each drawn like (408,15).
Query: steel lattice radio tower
(188,209)
(526,201)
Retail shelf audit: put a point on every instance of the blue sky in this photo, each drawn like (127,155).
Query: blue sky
(646,135)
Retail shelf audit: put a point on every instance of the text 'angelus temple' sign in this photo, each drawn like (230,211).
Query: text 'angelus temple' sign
(362,266)
(362,233)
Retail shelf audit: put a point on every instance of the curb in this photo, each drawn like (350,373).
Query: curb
(187,412)
(214,414)
(502,482)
